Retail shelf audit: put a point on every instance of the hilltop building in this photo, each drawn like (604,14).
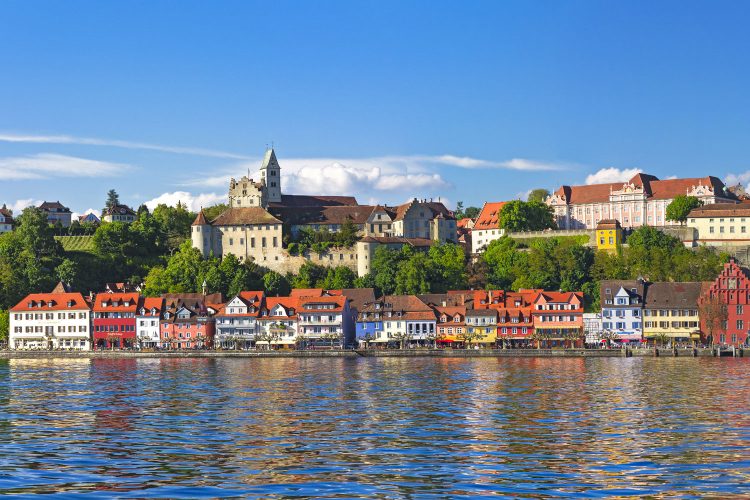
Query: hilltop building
(487,227)
(56,212)
(640,201)
(260,217)
(119,213)
(721,224)
(6,220)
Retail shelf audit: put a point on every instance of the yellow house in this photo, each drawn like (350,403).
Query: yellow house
(670,310)
(608,234)
(481,324)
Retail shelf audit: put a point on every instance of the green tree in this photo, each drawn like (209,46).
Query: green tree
(4,326)
(214,211)
(67,272)
(113,199)
(275,284)
(520,215)
(309,276)
(681,206)
(472,212)
(413,273)
(505,262)
(448,263)
(384,267)
(538,195)
(175,223)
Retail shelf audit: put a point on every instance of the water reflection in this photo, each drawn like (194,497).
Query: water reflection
(382,427)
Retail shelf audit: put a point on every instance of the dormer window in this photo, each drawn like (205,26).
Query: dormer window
(50,304)
(70,303)
(127,303)
(456,318)
(31,304)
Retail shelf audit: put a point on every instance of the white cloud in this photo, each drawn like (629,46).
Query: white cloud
(47,165)
(19,205)
(612,174)
(193,202)
(89,141)
(733,179)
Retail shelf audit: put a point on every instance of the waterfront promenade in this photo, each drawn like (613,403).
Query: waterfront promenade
(381,353)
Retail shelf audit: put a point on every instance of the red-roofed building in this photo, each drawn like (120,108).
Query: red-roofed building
(187,322)
(150,310)
(640,201)
(51,321)
(724,307)
(487,226)
(558,319)
(325,321)
(114,320)
(278,323)
(236,321)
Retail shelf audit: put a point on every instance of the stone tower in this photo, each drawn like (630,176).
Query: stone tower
(201,234)
(270,177)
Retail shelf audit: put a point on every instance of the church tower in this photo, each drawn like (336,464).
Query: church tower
(270,177)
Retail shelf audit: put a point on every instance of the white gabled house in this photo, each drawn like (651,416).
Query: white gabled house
(51,321)
(237,321)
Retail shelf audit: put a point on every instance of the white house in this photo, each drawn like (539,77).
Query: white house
(147,321)
(622,307)
(6,220)
(278,322)
(51,321)
(487,227)
(236,321)
(325,321)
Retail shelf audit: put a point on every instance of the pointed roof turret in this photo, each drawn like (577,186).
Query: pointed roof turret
(269,159)
(200,220)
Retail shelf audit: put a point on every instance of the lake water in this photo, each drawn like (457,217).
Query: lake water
(387,428)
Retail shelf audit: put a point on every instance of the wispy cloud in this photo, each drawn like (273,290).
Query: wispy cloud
(193,202)
(90,141)
(311,175)
(47,165)
(612,174)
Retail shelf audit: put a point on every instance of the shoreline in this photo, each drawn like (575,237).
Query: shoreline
(371,353)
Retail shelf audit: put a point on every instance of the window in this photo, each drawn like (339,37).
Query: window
(231,241)
(740,324)
(739,309)
(711,230)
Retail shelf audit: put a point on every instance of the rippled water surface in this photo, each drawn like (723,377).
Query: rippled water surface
(375,427)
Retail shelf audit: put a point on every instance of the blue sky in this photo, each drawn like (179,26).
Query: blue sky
(473,101)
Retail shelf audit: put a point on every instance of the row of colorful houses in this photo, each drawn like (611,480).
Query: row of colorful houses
(482,318)
(632,311)
(308,318)
(716,312)
(63,319)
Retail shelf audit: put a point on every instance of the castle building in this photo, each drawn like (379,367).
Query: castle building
(259,217)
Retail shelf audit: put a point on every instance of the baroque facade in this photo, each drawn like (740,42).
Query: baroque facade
(640,201)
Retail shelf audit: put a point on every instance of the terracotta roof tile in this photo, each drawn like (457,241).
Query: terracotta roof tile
(59,302)
(489,217)
(246,215)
